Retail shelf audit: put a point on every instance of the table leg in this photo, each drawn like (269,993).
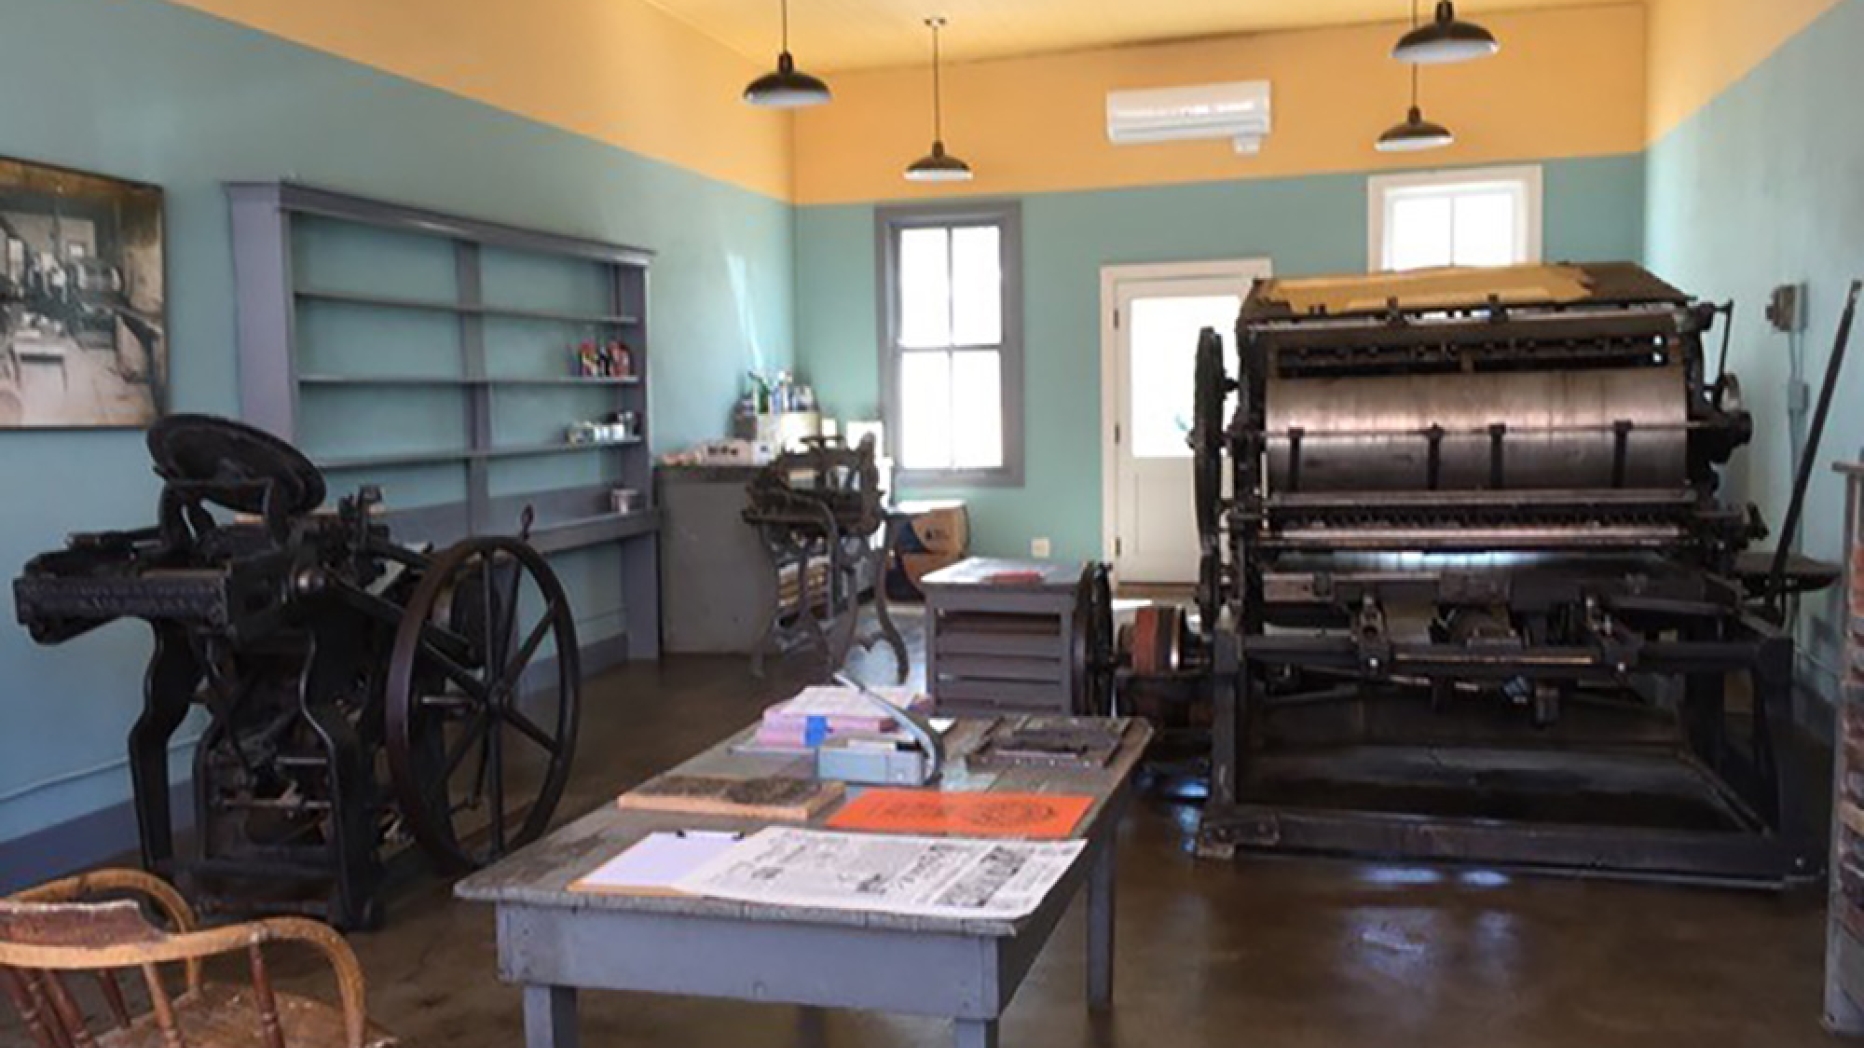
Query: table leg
(1100,897)
(812,1027)
(974,1033)
(550,1017)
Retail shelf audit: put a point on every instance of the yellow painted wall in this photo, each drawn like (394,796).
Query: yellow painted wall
(620,71)
(1699,48)
(1568,83)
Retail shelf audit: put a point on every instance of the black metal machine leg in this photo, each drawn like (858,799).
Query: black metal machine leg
(882,561)
(1782,773)
(353,803)
(1705,710)
(168,693)
(1231,697)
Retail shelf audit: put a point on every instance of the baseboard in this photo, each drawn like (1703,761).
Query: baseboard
(85,842)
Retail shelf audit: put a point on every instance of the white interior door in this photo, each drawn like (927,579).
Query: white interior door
(1155,316)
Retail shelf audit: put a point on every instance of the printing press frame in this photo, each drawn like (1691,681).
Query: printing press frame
(365,700)
(1578,641)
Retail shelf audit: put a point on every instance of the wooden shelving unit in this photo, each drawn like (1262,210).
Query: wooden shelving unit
(363,325)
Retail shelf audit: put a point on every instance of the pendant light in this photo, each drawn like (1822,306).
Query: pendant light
(1416,134)
(938,165)
(788,87)
(1446,39)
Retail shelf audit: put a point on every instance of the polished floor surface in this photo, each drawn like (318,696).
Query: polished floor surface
(1260,953)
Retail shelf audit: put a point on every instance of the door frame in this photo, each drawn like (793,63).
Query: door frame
(1111,277)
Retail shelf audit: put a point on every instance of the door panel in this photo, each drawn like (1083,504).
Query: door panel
(1156,334)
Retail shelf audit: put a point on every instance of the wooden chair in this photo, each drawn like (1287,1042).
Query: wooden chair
(51,933)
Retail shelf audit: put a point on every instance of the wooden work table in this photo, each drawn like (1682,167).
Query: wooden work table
(554,941)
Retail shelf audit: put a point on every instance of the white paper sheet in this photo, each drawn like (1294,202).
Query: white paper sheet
(654,864)
(827,701)
(950,877)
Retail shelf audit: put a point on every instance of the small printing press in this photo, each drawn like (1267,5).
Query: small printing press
(364,699)
(1469,592)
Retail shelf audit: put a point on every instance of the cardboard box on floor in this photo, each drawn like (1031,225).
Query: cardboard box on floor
(937,527)
(938,536)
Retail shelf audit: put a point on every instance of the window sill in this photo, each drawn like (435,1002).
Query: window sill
(938,480)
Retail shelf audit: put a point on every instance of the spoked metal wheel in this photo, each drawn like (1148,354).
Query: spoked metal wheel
(482,698)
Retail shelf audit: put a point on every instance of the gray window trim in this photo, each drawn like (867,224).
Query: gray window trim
(1007,215)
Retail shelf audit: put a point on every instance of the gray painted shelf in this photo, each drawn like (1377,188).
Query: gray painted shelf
(419,458)
(468,309)
(282,271)
(459,380)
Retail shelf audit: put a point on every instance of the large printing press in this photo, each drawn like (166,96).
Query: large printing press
(366,700)
(1470,590)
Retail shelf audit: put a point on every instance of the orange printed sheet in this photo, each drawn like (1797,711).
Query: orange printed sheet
(1042,816)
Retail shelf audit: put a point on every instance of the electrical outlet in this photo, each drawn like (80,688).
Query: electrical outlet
(1040,548)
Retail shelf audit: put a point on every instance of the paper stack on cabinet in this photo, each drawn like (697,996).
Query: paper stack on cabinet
(817,714)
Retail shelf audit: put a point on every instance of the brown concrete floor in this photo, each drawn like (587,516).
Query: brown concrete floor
(1263,952)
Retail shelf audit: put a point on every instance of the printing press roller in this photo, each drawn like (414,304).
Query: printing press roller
(1621,428)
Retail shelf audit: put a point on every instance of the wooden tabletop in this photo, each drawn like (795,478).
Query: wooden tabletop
(979,572)
(540,874)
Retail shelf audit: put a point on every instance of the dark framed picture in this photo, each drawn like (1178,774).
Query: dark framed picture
(83,321)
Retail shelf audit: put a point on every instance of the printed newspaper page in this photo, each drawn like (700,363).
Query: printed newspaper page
(917,876)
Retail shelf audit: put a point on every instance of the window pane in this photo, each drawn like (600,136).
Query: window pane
(977,286)
(977,409)
(925,288)
(1417,232)
(925,410)
(1163,352)
(1485,229)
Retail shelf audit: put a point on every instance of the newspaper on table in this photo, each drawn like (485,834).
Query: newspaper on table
(950,877)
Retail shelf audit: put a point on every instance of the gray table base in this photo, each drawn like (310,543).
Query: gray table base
(553,952)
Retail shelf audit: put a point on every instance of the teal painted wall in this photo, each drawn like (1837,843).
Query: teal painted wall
(1593,211)
(1761,188)
(146,91)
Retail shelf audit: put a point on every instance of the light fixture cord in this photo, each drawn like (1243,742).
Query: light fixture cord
(786,23)
(1413,66)
(938,109)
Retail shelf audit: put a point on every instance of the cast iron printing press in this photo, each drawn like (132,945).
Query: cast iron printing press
(1470,591)
(364,698)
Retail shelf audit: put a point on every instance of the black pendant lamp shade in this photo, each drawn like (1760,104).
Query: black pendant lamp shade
(1416,134)
(938,165)
(788,87)
(1445,39)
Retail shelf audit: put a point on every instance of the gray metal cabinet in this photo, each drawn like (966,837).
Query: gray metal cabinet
(716,583)
(999,636)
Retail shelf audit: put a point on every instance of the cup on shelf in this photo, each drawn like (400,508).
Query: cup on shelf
(627,500)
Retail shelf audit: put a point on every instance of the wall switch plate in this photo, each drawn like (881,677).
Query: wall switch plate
(1786,309)
(1040,548)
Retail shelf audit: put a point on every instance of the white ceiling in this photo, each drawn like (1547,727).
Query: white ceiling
(858,34)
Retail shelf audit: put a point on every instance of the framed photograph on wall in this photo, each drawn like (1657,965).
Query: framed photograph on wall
(83,321)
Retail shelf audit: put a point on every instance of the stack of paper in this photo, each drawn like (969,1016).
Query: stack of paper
(653,865)
(816,714)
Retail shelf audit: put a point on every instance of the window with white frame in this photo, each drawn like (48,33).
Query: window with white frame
(951,353)
(1488,217)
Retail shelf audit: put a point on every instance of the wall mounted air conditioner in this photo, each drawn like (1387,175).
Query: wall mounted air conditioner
(1239,111)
